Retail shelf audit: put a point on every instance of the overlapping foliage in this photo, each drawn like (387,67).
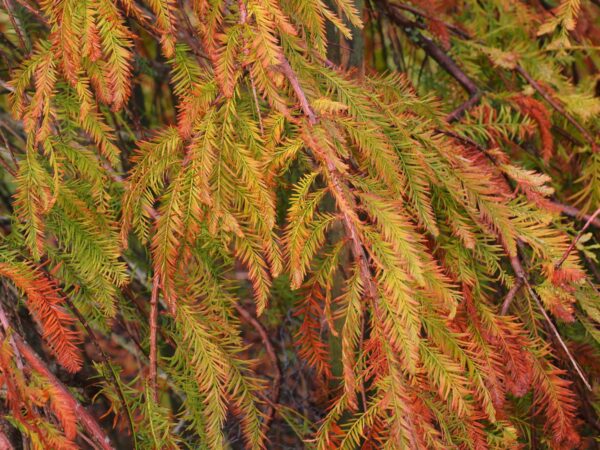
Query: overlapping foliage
(410,224)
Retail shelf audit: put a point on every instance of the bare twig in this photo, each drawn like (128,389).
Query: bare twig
(15,24)
(9,148)
(574,243)
(88,422)
(272,355)
(33,11)
(6,167)
(557,336)
(153,331)
(106,362)
(511,295)
(286,69)
(558,107)
(464,107)
(571,211)
(524,281)
(515,262)
(439,55)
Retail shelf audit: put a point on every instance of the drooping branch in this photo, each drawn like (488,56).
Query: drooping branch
(335,183)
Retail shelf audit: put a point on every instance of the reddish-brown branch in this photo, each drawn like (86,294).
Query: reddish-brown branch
(105,361)
(439,55)
(557,335)
(15,24)
(571,211)
(153,332)
(288,72)
(464,107)
(515,262)
(557,106)
(511,295)
(33,11)
(88,422)
(9,148)
(574,243)
(6,167)
(524,281)
(272,355)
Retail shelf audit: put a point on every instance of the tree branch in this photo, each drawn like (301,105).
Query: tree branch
(89,423)
(153,331)
(571,211)
(272,355)
(524,280)
(106,362)
(15,23)
(288,72)
(438,54)
(33,11)
(511,295)
(557,335)
(574,243)
(557,106)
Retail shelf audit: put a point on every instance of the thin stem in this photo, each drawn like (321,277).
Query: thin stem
(88,422)
(522,275)
(557,106)
(15,24)
(556,334)
(33,11)
(511,295)
(272,355)
(286,69)
(574,243)
(106,362)
(571,211)
(153,333)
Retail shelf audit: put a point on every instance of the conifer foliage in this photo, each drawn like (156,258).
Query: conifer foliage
(218,231)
